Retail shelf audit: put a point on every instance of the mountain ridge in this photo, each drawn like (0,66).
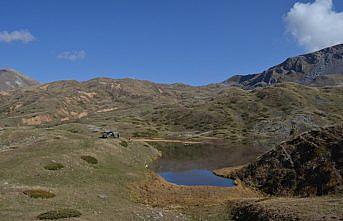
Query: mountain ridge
(11,79)
(320,68)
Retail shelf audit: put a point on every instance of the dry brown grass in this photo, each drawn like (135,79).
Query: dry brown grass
(157,192)
(305,209)
(39,194)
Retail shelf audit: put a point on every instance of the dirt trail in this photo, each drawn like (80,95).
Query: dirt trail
(165,140)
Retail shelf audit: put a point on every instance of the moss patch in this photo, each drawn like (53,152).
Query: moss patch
(39,194)
(89,159)
(59,214)
(54,166)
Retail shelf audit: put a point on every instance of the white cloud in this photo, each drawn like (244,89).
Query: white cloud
(19,35)
(315,25)
(72,55)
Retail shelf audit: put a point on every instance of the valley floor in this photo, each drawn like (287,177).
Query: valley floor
(118,186)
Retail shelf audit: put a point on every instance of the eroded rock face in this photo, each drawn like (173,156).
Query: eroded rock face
(311,164)
(321,68)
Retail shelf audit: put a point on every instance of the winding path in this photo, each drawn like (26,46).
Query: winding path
(165,140)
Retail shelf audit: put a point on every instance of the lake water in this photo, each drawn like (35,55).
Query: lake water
(192,165)
(196,177)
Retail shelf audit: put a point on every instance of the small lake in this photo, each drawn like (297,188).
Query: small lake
(196,177)
(192,165)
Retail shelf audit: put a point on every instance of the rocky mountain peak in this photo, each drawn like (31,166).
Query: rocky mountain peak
(321,68)
(11,79)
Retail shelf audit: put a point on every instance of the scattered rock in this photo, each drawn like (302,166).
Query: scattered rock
(102,196)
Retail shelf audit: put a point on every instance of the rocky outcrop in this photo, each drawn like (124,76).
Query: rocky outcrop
(309,165)
(321,68)
(11,79)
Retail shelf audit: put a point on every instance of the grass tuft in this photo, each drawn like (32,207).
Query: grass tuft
(42,194)
(54,166)
(89,159)
(59,214)
(124,143)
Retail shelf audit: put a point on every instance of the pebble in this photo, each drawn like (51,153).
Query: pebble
(102,196)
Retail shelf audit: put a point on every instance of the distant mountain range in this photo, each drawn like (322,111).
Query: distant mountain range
(222,109)
(11,79)
(321,68)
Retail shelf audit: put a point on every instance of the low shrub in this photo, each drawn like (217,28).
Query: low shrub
(89,159)
(124,143)
(54,166)
(39,194)
(59,214)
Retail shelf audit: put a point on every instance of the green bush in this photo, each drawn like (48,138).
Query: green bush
(89,159)
(39,194)
(124,143)
(59,214)
(53,166)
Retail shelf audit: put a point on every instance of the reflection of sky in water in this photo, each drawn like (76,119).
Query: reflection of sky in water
(196,178)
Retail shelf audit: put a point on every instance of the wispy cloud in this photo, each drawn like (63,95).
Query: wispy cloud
(72,55)
(20,35)
(315,25)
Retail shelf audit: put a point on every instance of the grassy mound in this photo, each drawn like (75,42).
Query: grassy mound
(59,214)
(89,159)
(124,143)
(39,194)
(54,166)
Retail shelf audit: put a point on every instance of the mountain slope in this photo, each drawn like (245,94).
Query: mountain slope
(321,68)
(141,108)
(63,101)
(11,79)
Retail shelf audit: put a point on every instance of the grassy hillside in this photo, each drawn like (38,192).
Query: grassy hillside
(145,109)
(99,191)
(263,115)
(68,171)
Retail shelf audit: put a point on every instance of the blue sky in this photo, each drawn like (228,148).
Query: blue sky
(191,41)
